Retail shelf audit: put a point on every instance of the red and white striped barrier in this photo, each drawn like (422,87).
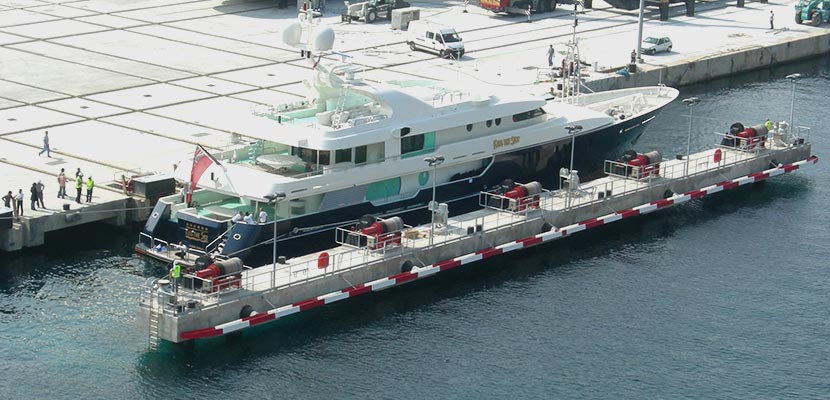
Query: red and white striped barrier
(419,273)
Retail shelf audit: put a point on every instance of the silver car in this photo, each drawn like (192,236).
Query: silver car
(652,45)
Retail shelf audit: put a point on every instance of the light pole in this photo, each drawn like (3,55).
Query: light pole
(434,162)
(640,33)
(793,78)
(274,199)
(691,101)
(573,130)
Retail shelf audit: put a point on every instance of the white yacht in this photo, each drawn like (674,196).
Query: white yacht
(358,147)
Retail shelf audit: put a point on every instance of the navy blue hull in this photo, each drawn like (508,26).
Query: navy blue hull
(540,163)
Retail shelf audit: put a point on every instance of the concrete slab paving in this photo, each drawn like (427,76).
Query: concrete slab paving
(83,108)
(132,68)
(266,96)
(150,96)
(6,103)
(20,119)
(58,10)
(53,29)
(107,144)
(27,94)
(171,128)
(192,10)
(214,113)
(21,17)
(213,85)
(58,75)
(159,51)
(7,38)
(22,154)
(213,42)
(112,21)
(266,76)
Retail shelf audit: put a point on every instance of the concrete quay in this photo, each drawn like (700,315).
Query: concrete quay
(126,88)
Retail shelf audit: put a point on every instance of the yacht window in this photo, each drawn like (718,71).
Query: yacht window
(417,144)
(360,154)
(469,127)
(527,115)
(404,131)
(489,123)
(498,121)
(343,155)
(325,157)
(307,155)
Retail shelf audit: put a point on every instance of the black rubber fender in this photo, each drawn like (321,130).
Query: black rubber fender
(546,227)
(246,311)
(407,266)
(668,193)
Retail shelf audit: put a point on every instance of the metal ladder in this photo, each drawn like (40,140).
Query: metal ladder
(154,318)
(341,104)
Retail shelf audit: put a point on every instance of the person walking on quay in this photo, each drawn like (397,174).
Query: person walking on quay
(79,173)
(45,145)
(550,56)
(633,56)
(62,185)
(40,187)
(90,184)
(19,204)
(527,12)
(771,20)
(33,193)
(79,183)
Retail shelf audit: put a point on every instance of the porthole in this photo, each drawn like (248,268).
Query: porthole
(498,121)
(469,127)
(489,123)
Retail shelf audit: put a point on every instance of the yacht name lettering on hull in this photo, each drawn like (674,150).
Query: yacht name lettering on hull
(196,233)
(508,141)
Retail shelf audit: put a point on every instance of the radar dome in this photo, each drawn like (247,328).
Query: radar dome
(323,39)
(292,33)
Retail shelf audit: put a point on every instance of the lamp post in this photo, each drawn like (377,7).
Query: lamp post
(691,101)
(274,199)
(793,78)
(573,130)
(434,162)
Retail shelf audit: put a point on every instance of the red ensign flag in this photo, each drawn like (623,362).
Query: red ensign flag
(201,161)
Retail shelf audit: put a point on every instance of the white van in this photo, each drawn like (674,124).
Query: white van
(435,38)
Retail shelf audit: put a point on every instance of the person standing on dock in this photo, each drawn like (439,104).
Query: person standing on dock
(633,56)
(550,56)
(79,183)
(263,216)
(45,145)
(18,206)
(771,20)
(527,12)
(90,184)
(62,184)
(33,193)
(176,273)
(7,201)
(40,187)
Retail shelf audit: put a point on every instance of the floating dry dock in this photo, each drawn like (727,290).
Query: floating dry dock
(227,297)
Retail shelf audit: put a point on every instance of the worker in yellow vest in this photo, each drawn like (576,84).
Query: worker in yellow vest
(79,183)
(89,185)
(176,273)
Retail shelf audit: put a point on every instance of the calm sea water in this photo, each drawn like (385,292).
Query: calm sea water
(724,298)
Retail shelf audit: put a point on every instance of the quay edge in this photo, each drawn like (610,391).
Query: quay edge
(721,63)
